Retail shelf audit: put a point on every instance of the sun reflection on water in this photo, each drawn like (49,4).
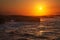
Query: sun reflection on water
(41,32)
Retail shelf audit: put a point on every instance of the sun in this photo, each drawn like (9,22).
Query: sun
(41,10)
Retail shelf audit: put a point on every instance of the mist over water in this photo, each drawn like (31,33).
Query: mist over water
(47,29)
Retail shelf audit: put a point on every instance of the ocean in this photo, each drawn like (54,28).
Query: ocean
(47,29)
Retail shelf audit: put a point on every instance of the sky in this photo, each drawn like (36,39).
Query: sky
(29,7)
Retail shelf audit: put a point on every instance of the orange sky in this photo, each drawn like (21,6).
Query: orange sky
(29,7)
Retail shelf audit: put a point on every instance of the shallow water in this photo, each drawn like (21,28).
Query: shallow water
(46,29)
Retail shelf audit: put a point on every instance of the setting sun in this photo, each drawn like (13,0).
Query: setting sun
(40,10)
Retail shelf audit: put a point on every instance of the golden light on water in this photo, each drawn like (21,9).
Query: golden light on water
(41,32)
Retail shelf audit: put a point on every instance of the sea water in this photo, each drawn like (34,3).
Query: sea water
(46,29)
